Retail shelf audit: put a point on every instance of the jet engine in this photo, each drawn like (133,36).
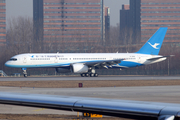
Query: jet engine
(63,70)
(79,68)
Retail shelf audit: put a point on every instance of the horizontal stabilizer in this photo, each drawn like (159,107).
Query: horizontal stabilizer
(152,59)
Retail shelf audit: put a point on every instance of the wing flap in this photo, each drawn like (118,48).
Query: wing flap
(104,63)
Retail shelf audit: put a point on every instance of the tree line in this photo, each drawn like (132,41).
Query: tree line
(20,39)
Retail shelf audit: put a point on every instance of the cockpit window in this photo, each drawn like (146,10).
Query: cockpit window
(13,59)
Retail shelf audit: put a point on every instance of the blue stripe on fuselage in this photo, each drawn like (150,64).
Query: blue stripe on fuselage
(123,64)
(39,66)
(53,65)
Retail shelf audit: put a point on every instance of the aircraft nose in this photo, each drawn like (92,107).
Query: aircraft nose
(7,64)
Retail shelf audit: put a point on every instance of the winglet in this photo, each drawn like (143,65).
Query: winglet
(153,45)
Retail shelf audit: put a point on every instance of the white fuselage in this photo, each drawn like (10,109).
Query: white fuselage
(34,60)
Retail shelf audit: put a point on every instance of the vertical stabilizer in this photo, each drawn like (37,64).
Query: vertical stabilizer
(153,45)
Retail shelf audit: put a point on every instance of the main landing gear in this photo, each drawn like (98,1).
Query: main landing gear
(91,73)
(24,72)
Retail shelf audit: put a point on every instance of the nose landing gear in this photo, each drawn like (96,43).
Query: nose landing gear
(24,72)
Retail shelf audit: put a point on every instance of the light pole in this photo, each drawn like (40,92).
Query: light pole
(169,63)
(168,66)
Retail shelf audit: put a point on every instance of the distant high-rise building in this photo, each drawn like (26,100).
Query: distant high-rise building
(107,23)
(125,17)
(2,22)
(69,20)
(135,8)
(147,16)
(160,13)
(125,23)
(38,19)
(130,22)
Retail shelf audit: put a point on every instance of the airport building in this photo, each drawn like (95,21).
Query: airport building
(2,22)
(146,16)
(69,21)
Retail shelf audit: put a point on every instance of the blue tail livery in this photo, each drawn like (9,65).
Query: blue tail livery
(153,45)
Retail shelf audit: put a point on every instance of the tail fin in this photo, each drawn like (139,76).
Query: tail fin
(153,45)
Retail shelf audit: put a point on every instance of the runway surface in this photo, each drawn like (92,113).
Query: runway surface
(91,78)
(150,93)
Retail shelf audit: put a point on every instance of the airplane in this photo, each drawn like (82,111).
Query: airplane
(139,110)
(87,63)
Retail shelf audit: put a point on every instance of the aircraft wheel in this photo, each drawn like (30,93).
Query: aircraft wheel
(91,75)
(87,75)
(25,75)
(95,75)
(82,75)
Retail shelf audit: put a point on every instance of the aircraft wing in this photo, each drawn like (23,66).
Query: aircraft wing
(105,63)
(111,107)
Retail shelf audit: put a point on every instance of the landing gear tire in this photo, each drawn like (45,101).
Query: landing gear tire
(95,75)
(82,75)
(87,75)
(91,75)
(92,72)
(25,75)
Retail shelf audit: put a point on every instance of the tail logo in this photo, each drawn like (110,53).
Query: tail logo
(155,45)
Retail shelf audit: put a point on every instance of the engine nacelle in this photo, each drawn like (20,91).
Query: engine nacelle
(79,68)
(63,70)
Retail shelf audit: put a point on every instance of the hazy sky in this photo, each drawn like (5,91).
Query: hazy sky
(15,8)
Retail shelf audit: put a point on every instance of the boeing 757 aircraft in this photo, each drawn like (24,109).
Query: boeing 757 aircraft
(86,63)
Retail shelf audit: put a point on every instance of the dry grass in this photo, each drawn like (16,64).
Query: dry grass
(90,83)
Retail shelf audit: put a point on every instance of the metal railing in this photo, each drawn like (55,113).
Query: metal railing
(2,74)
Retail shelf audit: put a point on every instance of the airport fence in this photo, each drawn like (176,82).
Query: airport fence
(132,71)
